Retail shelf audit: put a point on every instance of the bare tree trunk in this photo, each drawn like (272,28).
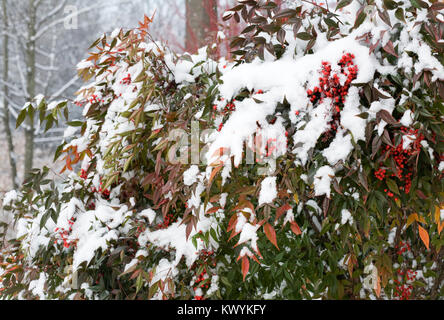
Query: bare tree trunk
(201,21)
(30,79)
(11,155)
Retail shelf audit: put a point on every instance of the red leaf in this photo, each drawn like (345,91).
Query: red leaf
(387,117)
(295,228)
(390,49)
(255,259)
(271,234)
(280,211)
(258,252)
(232,223)
(188,230)
(213,210)
(421,194)
(213,173)
(245,266)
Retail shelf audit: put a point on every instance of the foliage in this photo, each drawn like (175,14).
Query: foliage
(130,215)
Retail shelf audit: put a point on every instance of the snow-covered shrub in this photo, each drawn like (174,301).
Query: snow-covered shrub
(310,167)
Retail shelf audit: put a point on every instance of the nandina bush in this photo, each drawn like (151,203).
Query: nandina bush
(314,168)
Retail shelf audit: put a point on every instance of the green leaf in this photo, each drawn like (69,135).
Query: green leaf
(390,4)
(31,112)
(110,181)
(269,5)
(58,151)
(75,123)
(153,289)
(392,186)
(304,36)
(45,218)
(21,117)
(194,240)
(342,4)
(363,115)
(330,23)
(128,162)
(419,4)
(139,283)
(286,13)
(399,14)
(49,122)
(359,20)
(95,43)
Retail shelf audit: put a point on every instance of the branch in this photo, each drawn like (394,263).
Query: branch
(22,77)
(64,87)
(326,9)
(46,68)
(53,12)
(42,31)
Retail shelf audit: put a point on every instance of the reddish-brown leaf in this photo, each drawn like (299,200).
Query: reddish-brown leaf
(270,233)
(387,117)
(295,228)
(135,274)
(390,49)
(421,194)
(280,211)
(232,223)
(213,173)
(188,230)
(245,266)
(213,210)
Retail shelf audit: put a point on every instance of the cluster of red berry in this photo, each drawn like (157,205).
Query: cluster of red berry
(380,174)
(229,108)
(404,291)
(140,228)
(64,234)
(78,103)
(83,174)
(390,194)
(330,87)
(404,287)
(414,132)
(105,192)
(271,146)
(126,80)
(403,247)
(202,280)
(95,99)
(169,218)
(401,157)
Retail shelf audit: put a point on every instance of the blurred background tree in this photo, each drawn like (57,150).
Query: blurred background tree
(201,23)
